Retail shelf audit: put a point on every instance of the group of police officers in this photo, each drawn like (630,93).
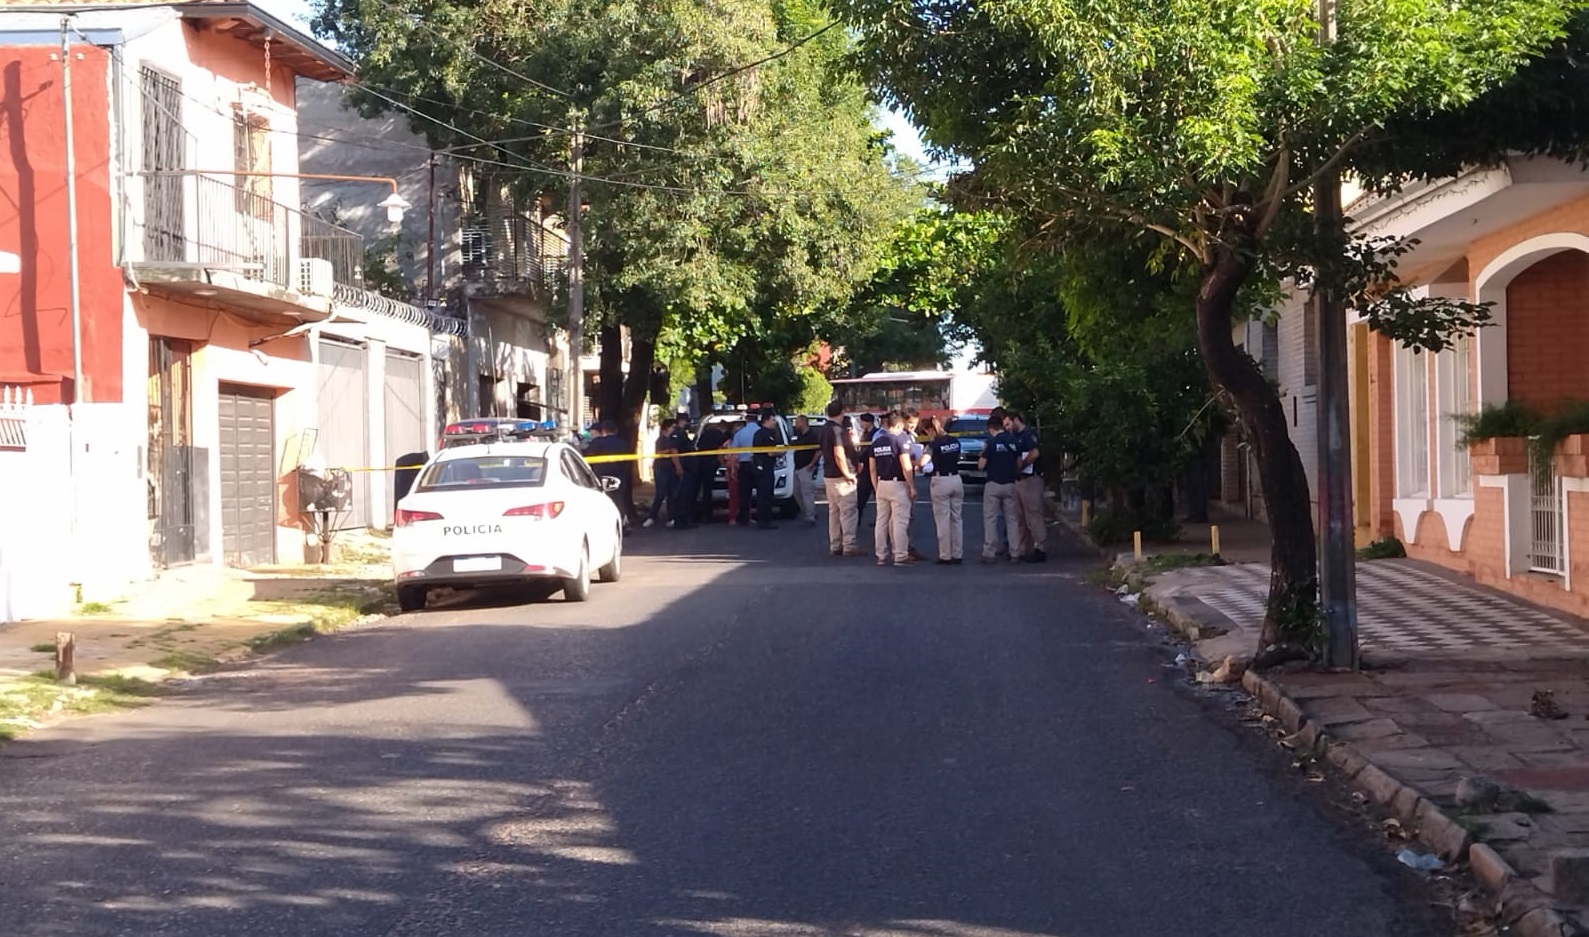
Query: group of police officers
(858,459)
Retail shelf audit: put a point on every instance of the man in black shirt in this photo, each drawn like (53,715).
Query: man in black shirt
(805,468)
(763,463)
(607,443)
(840,464)
(865,430)
(666,469)
(948,493)
(681,510)
(893,477)
(1029,495)
(712,438)
(1000,459)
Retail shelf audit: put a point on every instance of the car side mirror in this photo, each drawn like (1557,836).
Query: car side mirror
(609,483)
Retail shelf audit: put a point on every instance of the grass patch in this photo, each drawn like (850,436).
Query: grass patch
(184,662)
(43,647)
(1385,548)
(1476,828)
(94,608)
(38,696)
(281,637)
(1165,562)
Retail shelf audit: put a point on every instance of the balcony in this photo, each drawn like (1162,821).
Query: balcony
(204,237)
(506,252)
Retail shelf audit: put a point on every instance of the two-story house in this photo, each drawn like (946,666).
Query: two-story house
(470,250)
(223,333)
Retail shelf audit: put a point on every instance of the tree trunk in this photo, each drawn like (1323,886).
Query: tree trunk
(1291,617)
(631,401)
(609,395)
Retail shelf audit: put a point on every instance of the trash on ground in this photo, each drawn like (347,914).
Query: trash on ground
(1422,861)
(1544,706)
(1229,671)
(1130,598)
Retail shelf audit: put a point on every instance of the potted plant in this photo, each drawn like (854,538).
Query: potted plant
(1497,437)
(1565,436)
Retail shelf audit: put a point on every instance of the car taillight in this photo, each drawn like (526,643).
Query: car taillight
(538,511)
(406,517)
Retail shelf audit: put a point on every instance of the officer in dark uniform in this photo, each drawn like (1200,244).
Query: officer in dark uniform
(710,439)
(681,511)
(762,463)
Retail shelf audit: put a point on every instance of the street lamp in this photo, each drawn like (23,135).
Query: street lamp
(395,205)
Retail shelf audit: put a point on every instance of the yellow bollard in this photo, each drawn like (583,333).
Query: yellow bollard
(1086,513)
(1136,543)
(1213,538)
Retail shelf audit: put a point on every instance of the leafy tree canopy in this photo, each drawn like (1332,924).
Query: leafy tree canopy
(721,192)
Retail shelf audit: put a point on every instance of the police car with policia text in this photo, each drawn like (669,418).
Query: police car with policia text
(505,513)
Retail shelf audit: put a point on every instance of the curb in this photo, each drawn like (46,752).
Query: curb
(1075,528)
(1530,910)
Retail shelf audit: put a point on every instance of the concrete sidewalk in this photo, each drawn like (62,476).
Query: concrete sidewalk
(1470,718)
(187,619)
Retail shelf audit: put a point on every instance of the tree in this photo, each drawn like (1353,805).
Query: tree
(731,169)
(896,320)
(1202,123)
(1093,341)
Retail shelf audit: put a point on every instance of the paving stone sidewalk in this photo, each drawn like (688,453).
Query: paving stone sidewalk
(1451,674)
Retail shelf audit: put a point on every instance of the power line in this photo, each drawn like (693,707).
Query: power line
(696,89)
(469,48)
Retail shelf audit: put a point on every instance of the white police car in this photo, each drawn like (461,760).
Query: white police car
(783,485)
(501,513)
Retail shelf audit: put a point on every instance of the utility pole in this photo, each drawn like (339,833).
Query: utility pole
(1337,559)
(78,390)
(576,276)
(430,243)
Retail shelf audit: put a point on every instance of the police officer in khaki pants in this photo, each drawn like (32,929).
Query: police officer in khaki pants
(1029,493)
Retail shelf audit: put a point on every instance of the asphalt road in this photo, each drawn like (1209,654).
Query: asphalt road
(744,737)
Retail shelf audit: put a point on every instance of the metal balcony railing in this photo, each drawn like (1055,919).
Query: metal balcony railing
(506,245)
(203,221)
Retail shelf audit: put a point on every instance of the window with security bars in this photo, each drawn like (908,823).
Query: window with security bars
(162,145)
(1412,423)
(1453,369)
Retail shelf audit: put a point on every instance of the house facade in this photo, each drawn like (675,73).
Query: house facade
(471,249)
(203,336)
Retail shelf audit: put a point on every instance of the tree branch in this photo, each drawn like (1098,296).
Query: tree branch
(1331,164)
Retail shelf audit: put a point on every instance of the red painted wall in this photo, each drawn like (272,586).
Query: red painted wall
(35,306)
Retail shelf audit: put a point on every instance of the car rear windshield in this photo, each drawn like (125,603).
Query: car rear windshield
(966,424)
(502,471)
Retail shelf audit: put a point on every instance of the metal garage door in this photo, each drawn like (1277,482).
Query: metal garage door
(344,421)
(248,477)
(406,431)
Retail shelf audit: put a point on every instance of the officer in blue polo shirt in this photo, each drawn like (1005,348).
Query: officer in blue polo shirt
(1001,460)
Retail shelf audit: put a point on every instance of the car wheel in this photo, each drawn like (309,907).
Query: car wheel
(614,568)
(411,598)
(577,588)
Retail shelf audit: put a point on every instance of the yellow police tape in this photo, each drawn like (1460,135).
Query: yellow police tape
(635,457)
(624,457)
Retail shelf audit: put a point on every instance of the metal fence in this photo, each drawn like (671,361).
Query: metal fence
(15,402)
(1545,553)
(200,219)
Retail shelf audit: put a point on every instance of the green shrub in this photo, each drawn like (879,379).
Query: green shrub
(1495,421)
(1570,419)
(1112,527)
(1385,548)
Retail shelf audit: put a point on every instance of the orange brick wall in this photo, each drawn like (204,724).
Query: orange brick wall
(1547,331)
(1572,217)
